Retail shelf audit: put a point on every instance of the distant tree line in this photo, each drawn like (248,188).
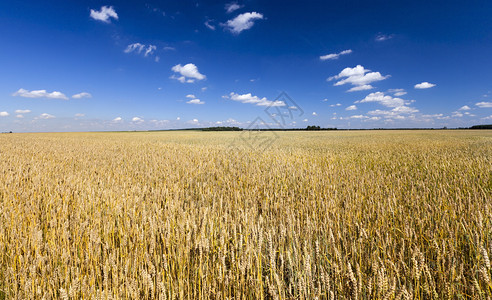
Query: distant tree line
(482,127)
(222,128)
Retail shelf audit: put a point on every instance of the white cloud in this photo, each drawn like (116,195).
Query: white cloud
(243,22)
(195,101)
(191,96)
(22,111)
(314,113)
(137,119)
(487,118)
(484,104)
(383,37)
(209,26)
(233,6)
(134,47)
(361,88)
(335,105)
(117,119)
(335,55)
(424,85)
(141,48)
(105,14)
(357,76)
(178,118)
(82,95)
(359,117)
(351,107)
(397,92)
(79,115)
(4,114)
(150,49)
(189,73)
(168,48)
(383,99)
(46,116)
(248,98)
(204,89)
(19,116)
(305,120)
(40,94)
(465,107)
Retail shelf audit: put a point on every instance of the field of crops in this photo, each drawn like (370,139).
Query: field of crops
(202,215)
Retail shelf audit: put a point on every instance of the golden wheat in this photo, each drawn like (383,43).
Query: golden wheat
(201,215)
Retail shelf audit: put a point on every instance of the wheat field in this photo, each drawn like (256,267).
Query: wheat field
(202,215)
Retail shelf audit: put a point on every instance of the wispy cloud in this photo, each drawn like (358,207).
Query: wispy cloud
(484,104)
(351,107)
(104,14)
(397,92)
(82,95)
(383,37)
(209,24)
(22,111)
(243,22)
(146,50)
(335,55)
(233,6)
(40,94)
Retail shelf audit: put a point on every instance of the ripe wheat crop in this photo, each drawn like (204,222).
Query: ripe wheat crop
(201,215)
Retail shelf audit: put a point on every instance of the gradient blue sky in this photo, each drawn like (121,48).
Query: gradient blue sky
(137,65)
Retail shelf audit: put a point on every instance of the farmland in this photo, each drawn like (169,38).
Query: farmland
(188,215)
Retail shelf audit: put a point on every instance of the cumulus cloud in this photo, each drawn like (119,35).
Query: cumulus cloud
(46,116)
(137,119)
(484,104)
(189,73)
(40,94)
(314,113)
(357,76)
(4,114)
(383,99)
(335,105)
(233,6)
(191,96)
(104,14)
(248,98)
(243,22)
(424,85)
(195,101)
(117,119)
(465,107)
(351,107)
(335,55)
(22,111)
(82,95)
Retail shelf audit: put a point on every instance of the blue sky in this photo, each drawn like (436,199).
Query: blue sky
(137,65)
